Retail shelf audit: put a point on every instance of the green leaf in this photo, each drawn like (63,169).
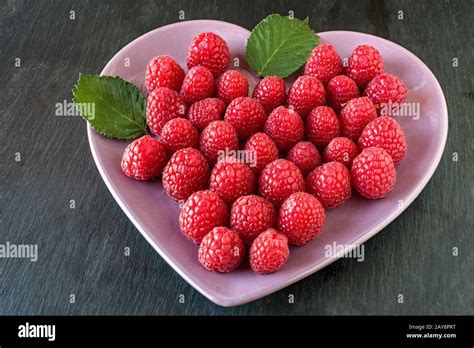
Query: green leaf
(112,106)
(278,45)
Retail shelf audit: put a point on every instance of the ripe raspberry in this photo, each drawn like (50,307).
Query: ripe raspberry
(285,127)
(340,90)
(231,179)
(324,63)
(203,112)
(232,84)
(387,92)
(364,64)
(144,158)
(373,173)
(262,150)
(221,250)
(186,172)
(269,252)
(179,133)
(322,125)
(330,184)
(216,139)
(270,92)
(384,132)
(342,150)
(301,218)
(163,71)
(355,116)
(198,84)
(279,180)
(209,50)
(306,93)
(163,104)
(305,156)
(203,211)
(246,115)
(250,216)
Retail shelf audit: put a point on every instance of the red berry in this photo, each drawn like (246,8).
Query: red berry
(301,218)
(373,173)
(246,115)
(269,252)
(217,139)
(231,179)
(144,158)
(279,180)
(340,90)
(330,184)
(322,125)
(209,50)
(163,71)
(198,84)
(179,133)
(384,132)
(324,63)
(203,112)
(357,114)
(163,104)
(306,93)
(364,64)
(221,250)
(305,156)
(250,216)
(186,172)
(270,92)
(285,127)
(342,150)
(232,84)
(262,150)
(387,92)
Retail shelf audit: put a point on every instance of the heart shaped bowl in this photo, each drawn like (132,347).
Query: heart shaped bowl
(156,216)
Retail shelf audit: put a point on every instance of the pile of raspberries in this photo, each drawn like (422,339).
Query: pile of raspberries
(312,146)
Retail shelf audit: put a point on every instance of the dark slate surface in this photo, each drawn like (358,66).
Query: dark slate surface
(81,250)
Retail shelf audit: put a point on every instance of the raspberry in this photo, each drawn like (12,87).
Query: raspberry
(198,84)
(373,173)
(209,50)
(221,250)
(270,92)
(364,64)
(163,71)
(324,63)
(305,156)
(357,113)
(387,92)
(186,172)
(179,133)
(163,104)
(384,132)
(322,125)
(250,216)
(231,179)
(144,158)
(279,180)
(342,150)
(340,90)
(330,184)
(232,84)
(203,211)
(216,139)
(203,112)
(269,252)
(246,115)
(306,93)
(301,218)
(285,127)
(262,149)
